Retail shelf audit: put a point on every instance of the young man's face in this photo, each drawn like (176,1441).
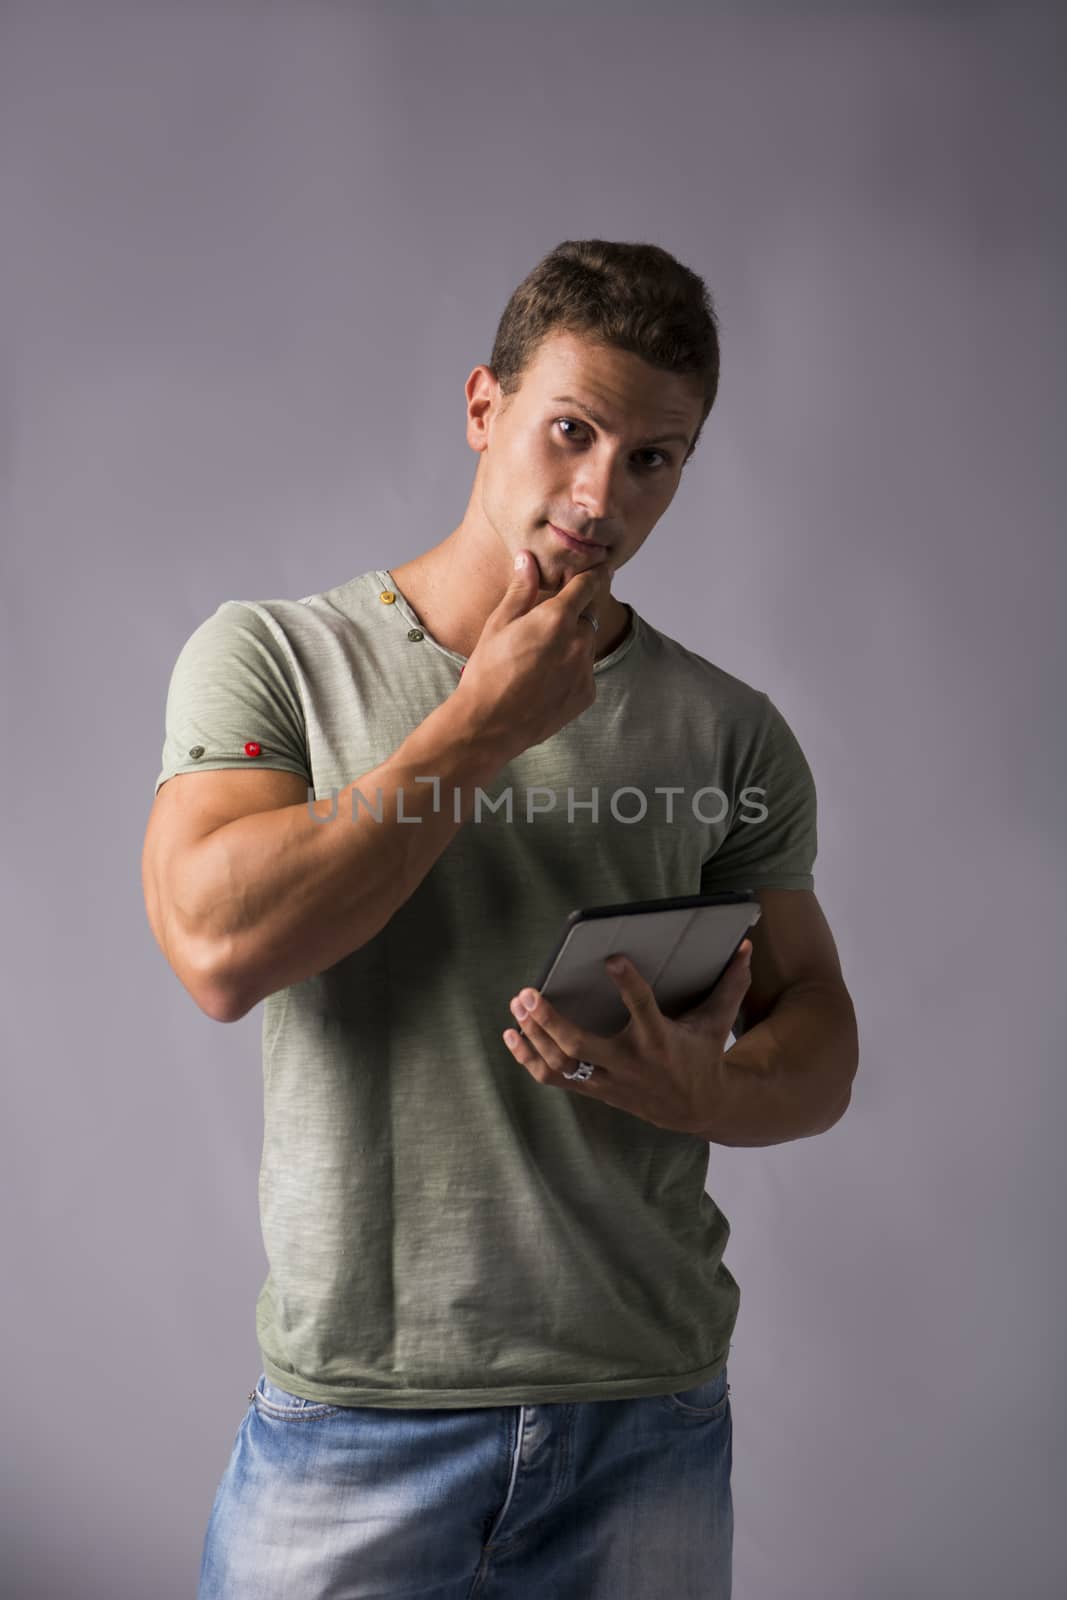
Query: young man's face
(544,461)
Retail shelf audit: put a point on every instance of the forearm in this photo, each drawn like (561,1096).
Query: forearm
(284,894)
(790,1076)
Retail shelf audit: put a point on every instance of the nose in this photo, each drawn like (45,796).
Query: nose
(592,493)
(594,485)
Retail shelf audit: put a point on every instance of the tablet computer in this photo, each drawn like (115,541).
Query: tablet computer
(680,945)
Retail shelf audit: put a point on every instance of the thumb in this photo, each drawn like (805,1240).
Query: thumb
(522,591)
(519,596)
(731,986)
(737,978)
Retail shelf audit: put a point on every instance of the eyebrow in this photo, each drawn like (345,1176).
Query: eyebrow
(570,400)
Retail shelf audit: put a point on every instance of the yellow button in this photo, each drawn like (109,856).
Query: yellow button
(387,597)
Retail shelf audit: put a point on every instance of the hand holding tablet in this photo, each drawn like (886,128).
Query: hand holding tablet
(681,946)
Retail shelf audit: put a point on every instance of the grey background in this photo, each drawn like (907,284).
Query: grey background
(251,255)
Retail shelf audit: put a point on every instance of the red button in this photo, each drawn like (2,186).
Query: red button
(462,670)
(252,748)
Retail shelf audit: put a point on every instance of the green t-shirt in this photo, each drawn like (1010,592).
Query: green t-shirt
(441,1229)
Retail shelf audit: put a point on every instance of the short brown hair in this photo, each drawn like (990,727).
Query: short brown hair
(634,296)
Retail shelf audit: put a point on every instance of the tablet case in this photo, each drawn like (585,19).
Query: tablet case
(681,946)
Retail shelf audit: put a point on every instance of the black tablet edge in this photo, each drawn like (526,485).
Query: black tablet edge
(678,902)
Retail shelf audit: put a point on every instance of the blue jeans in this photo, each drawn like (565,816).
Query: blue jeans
(593,1500)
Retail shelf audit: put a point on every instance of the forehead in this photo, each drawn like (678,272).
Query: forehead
(602,377)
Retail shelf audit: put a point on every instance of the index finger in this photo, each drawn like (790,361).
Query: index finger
(578,591)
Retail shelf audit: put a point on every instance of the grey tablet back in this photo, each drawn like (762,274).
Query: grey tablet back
(682,953)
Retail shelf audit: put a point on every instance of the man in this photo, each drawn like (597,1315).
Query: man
(495,1327)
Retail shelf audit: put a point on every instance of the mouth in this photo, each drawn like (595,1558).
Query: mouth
(575,540)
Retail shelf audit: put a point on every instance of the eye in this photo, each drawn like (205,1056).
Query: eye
(570,422)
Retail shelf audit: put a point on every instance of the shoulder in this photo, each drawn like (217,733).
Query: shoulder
(681,671)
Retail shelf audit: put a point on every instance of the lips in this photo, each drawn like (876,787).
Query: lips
(580,537)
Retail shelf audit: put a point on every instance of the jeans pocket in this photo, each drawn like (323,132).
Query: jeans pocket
(272,1401)
(708,1400)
